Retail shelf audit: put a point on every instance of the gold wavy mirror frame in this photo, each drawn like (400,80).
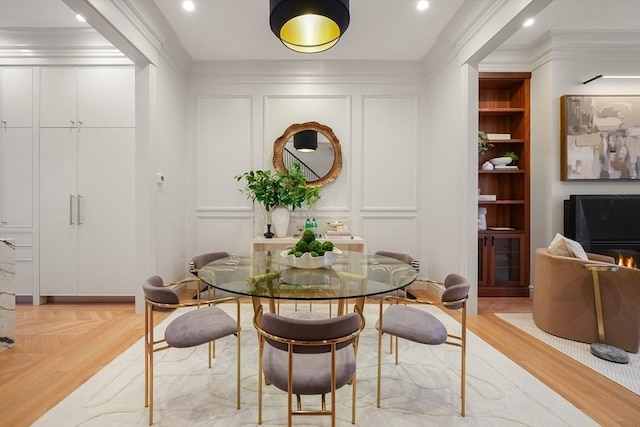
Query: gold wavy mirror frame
(279,149)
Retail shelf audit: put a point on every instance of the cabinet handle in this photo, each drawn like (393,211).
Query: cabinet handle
(485,240)
(79,221)
(493,239)
(73,123)
(79,123)
(71,209)
(3,222)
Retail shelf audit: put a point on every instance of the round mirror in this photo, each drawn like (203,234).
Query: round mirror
(314,146)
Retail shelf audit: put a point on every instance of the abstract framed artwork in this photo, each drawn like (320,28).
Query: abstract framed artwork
(600,137)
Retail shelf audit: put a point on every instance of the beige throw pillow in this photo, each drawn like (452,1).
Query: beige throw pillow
(563,246)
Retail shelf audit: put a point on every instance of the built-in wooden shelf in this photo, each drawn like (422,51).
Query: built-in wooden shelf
(503,255)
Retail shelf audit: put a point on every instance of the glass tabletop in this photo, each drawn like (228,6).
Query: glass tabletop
(264,274)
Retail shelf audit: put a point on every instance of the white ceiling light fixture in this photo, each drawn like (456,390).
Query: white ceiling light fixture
(422,5)
(80,18)
(529,22)
(309,26)
(188,5)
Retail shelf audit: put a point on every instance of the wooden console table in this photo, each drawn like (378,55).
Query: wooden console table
(261,244)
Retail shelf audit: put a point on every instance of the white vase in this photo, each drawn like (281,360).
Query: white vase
(280,220)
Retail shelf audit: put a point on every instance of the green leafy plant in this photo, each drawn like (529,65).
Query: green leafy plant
(483,142)
(514,156)
(273,189)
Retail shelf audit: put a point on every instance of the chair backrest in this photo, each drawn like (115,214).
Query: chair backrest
(406,258)
(155,291)
(456,289)
(312,334)
(199,261)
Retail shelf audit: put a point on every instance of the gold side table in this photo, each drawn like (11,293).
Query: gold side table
(600,349)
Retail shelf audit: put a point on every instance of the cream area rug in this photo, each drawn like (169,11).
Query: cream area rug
(627,375)
(423,390)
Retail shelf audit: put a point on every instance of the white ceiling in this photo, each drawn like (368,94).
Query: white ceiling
(379,29)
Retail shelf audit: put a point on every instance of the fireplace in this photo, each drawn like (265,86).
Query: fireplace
(605,224)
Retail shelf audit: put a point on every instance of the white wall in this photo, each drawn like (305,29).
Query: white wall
(376,120)
(171,256)
(564,76)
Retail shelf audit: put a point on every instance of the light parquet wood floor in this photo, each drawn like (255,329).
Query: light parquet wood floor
(60,346)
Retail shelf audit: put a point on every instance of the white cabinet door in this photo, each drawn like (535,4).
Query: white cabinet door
(87,97)
(58,212)
(16,93)
(58,97)
(16,177)
(106,97)
(87,211)
(106,229)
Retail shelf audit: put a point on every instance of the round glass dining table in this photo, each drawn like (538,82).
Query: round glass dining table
(264,275)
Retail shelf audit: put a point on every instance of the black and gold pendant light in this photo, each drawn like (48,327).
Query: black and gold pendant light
(309,26)
(306,141)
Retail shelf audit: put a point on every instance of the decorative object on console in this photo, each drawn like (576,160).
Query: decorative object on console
(288,189)
(268,234)
(309,26)
(598,138)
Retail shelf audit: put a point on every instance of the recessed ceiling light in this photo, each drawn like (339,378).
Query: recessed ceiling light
(528,22)
(188,5)
(422,5)
(80,18)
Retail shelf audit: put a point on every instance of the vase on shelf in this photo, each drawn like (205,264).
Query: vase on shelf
(280,216)
(268,234)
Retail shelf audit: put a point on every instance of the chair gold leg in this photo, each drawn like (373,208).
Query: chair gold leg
(379,355)
(238,369)
(463,367)
(333,385)
(396,340)
(353,400)
(260,351)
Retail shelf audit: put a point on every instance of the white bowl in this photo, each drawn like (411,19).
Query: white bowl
(307,261)
(500,161)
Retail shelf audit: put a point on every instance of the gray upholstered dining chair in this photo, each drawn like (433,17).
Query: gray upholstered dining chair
(308,357)
(400,256)
(199,261)
(204,324)
(405,321)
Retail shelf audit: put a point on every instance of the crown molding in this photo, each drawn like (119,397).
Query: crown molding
(565,45)
(308,71)
(147,19)
(81,46)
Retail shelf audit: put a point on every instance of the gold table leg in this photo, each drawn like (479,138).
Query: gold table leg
(601,349)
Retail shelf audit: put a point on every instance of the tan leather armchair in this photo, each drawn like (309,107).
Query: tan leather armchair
(564,305)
